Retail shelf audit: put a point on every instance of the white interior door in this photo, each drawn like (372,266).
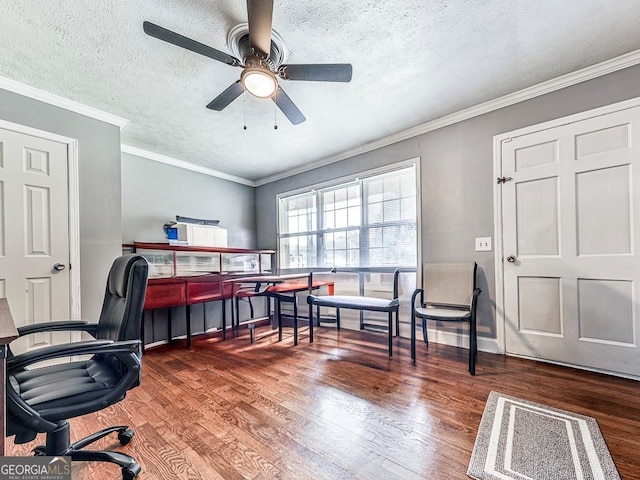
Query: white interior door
(571,286)
(34,234)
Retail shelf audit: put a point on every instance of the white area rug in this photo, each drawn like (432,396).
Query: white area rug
(523,440)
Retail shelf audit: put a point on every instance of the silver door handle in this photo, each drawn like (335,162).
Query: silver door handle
(59,267)
(511,258)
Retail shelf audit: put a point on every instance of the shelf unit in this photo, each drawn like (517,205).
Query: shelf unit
(168,261)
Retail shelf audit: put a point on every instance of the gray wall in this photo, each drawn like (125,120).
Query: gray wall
(457,176)
(99,174)
(154,193)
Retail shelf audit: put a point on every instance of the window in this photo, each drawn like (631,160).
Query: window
(369,222)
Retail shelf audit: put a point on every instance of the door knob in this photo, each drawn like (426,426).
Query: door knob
(59,267)
(511,258)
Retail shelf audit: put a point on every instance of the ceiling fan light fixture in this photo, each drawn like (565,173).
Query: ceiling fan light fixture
(259,82)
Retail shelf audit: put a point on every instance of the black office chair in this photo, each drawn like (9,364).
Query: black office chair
(43,399)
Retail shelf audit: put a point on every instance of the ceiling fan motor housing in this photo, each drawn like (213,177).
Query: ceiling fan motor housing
(240,47)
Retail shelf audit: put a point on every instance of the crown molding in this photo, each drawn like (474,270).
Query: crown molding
(608,66)
(58,101)
(157,157)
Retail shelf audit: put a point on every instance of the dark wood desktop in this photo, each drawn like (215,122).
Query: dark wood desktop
(178,289)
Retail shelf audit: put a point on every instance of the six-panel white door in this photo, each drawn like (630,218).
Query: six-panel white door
(34,233)
(571,274)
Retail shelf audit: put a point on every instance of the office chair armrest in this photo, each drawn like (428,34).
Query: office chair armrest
(413,298)
(474,300)
(396,280)
(61,326)
(89,347)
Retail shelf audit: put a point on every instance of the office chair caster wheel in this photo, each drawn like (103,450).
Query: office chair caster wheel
(131,472)
(39,451)
(125,436)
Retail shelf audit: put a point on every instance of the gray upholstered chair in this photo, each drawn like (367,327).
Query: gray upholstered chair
(448,294)
(41,400)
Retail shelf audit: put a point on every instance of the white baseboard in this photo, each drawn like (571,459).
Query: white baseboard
(489,345)
(156,344)
(578,367)
(452,339)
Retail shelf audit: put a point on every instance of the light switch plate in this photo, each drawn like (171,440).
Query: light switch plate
(483,244)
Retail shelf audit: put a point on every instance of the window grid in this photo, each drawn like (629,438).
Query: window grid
(365,223)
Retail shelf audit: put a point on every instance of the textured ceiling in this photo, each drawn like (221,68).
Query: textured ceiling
(413,61)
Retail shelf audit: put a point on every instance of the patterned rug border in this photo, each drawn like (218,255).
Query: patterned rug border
(486,438)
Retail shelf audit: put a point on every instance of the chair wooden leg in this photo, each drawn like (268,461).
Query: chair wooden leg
(295,322)
(310,315)
(473,346)
(279,316)
(425,335)
(338,319)
(224,319)
(236,320)
(390,334)
(310,324)
(413,336)
(397,324)
(472,363)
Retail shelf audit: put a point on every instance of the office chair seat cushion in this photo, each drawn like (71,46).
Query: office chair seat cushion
(58,392)
(355,302)
(444,314)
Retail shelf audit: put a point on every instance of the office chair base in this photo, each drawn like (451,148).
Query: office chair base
(58,444)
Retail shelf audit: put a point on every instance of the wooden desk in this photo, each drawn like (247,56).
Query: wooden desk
(186,291)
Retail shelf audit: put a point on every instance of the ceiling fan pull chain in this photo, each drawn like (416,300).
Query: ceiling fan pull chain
(275,112)
(244,108)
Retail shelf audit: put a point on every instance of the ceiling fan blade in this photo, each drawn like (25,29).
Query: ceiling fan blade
(260,16)
(328,72)
(289,108)
(184,42)
(225,98)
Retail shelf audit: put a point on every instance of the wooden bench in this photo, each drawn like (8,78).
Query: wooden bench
(362,303)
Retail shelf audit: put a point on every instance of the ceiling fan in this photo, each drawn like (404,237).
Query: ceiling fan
(260,72)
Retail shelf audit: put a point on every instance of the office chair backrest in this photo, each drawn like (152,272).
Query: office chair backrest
(449,283)
(121,315)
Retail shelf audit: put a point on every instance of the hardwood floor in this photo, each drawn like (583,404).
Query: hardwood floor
(335,409)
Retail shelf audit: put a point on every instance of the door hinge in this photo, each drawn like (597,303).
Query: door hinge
(504,180)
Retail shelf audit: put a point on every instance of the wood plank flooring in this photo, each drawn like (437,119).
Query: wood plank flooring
(335,409)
